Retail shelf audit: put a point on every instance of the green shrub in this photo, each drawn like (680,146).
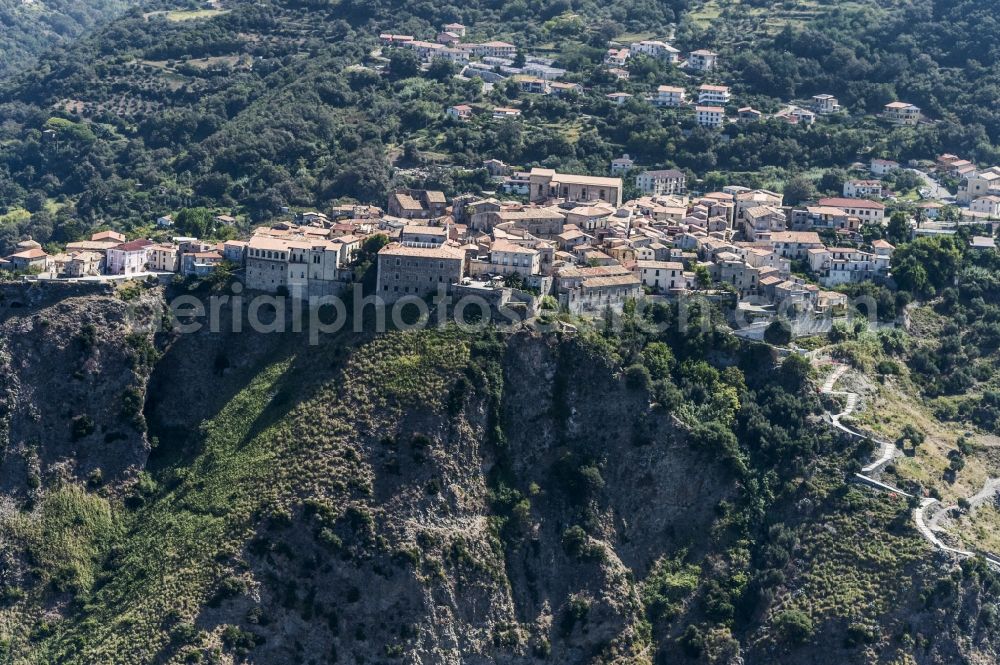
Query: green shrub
(692,641)
(239,642)
(577,610)
(82,426)
(778,333)
(793,626)
(87,337)
(577,543)
(665,588)
(859,633)
(637,378)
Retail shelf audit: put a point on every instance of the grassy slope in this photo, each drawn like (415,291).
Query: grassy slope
(891,402)
(260,455)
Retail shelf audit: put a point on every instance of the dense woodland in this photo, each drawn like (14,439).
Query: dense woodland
(273,104)
(28,29)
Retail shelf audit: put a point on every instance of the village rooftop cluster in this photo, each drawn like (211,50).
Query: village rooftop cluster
(569,236)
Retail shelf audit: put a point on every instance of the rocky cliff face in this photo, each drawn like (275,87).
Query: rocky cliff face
(505,513)
(73,369)
(74,362)
(424,498)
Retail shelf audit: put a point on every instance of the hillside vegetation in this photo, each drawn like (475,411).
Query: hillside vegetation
(438,496)
(30,28)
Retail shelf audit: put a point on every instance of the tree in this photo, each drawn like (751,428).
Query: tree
(637,378)
(795,372)
(371,246)
(778,333)
(833,181)
(715,438)
(403,63)
(658,359)
(365,179)
(196,222)
(411,154)
(441,69)
(912,434)
(905,180)
(799,189)
(898,228)
(927,265)
(702,278)
(514,281)
(35,201)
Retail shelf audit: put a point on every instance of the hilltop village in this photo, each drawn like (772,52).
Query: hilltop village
(591,242)
(568,236)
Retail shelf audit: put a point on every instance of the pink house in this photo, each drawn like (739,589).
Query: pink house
(129,258)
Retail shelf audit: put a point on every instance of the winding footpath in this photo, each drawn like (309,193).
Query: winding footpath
(887,451)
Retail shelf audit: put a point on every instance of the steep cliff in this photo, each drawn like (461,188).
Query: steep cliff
(444,497)
(73,370)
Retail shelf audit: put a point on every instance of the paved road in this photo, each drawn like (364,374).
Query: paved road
(937,190)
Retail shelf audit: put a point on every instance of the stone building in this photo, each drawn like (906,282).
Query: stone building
(417,270)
